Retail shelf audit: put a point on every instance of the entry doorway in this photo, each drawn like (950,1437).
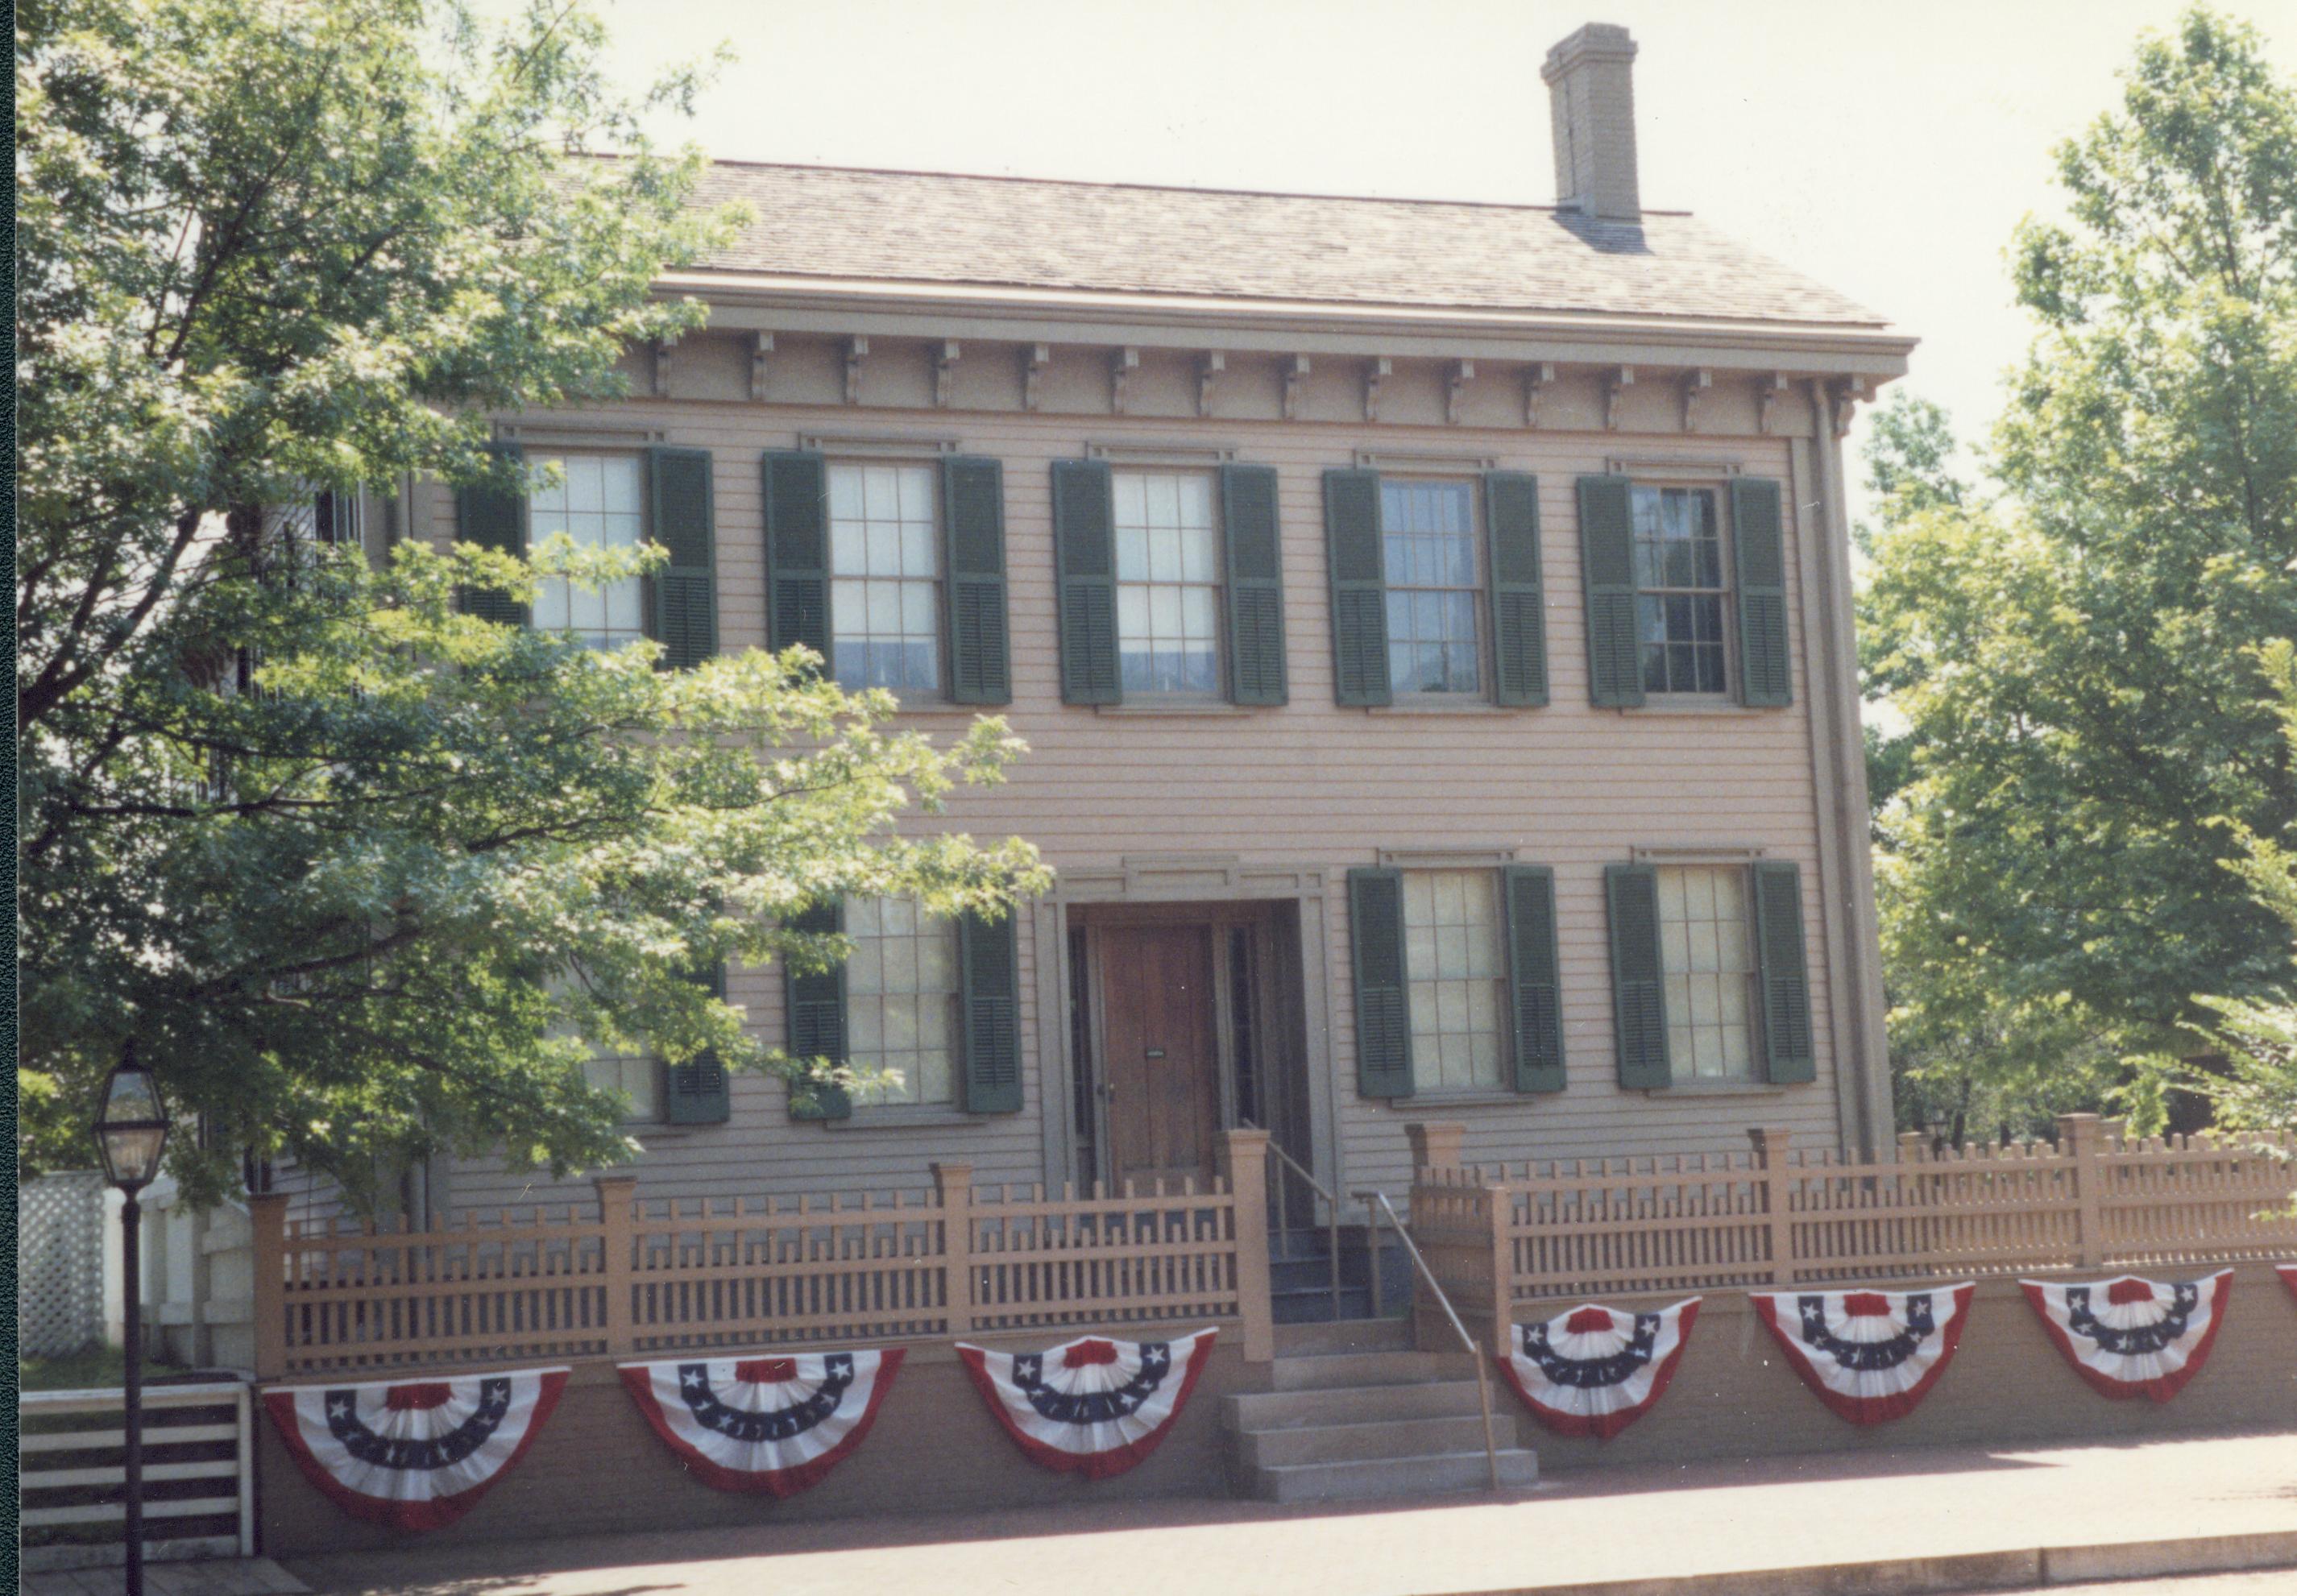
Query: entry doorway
(1185,1018)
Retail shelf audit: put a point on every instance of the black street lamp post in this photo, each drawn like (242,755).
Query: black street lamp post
(131,1132)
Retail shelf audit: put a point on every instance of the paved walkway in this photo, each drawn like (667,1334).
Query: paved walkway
(1644,1523)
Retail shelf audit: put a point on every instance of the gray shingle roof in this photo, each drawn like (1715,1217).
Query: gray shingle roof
(831,222)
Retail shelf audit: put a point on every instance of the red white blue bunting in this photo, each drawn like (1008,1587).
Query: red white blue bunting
(1092,1406)
(2131,1336)
(764,1424)
(414,1454)
(1869,1356)
(1596,1371)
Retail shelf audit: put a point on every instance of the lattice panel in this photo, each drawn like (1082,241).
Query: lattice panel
(60,1263)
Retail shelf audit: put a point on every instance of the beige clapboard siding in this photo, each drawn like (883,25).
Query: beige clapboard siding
(1309,784)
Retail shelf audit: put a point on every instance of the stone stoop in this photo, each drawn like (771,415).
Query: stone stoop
(1356,1412)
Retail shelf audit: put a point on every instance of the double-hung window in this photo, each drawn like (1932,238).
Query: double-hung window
(637,1077)
(1454,949)
(1680,591)
(1429,551)
(901,1001)
(1168,583)
(1710,983)
(598,501)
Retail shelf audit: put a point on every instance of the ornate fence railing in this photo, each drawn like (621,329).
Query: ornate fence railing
(1774,1217)
(625,1275)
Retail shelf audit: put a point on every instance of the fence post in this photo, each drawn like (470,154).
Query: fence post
(2080,1140)
(1913,1145)
(616,1193)
(1499,1212)
(1771,1155)
(1435,1145)
(267,1216)
(953,1185)
(1244,1164)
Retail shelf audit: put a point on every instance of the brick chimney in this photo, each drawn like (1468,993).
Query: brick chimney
(1590,82)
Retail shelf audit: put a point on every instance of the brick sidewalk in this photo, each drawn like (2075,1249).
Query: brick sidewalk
(1630,1523)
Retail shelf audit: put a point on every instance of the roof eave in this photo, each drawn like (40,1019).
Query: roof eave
(842,306)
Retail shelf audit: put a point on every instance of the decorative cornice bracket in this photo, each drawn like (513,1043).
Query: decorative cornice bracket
(1376,372)
(1121,365)
(1295,378)
(1537,377)
(1034,358)
(1209,366)
(1847,394)
(1616,381)
(1695,384)
(762,345)
(945,360)
(661,368)
(856,349)
(1771,393)
(1455,390)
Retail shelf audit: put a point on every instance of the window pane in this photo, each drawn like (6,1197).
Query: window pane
(595,503)
(1452,940)
(886,631)
(901,985)
(1679,570)
(1168,582)
(1707,955)
(1435,618)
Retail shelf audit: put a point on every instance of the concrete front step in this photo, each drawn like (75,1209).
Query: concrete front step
(1282,1410)
(1344,1336)
(1409,1476)
(1393,1439)
(1325,1371)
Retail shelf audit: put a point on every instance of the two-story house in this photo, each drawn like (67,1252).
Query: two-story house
(1430,624)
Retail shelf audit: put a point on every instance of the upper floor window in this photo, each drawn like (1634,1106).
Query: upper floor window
(1435,618)
(884,570)
(902,998)
(1707,957)
(1168,593)
(1679,590)
(597,500)
(1452,939)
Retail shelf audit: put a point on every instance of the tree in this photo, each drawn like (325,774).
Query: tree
(2076,661)
(355,868)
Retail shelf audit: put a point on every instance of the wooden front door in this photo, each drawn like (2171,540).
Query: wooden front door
(1162,1074)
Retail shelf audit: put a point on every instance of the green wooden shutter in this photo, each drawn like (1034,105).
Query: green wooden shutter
(1359,587)
(797,550)
(814,1005)
(1085,566)
(1765,673)
(1607,561)
(1788,1053)
(1255,585)
(493,518)
(695,1093)
(973,518)
(1638,991)
(685,618)
(1383,991)
(1529,895)
(989,978)
(1518,596)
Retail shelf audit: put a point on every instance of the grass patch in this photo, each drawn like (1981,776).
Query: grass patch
(91,1369)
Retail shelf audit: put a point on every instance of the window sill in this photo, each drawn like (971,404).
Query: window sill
(1437,706)
(1716,1088)
(943,706)
(1421,1102)
(1692,704)
(1176,706)
(896,1119)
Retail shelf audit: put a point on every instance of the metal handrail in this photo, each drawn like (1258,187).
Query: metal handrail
(1285,1161)
(1475,1350)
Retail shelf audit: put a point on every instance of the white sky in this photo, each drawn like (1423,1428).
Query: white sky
(1885,147)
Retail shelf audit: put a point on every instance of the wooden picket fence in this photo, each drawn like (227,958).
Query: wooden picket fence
(1775,1216)
(630,1276)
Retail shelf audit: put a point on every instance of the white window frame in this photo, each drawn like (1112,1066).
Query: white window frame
(852,458)
(1478,590)
(1424,1082)
(543,454)
(1682,1068)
